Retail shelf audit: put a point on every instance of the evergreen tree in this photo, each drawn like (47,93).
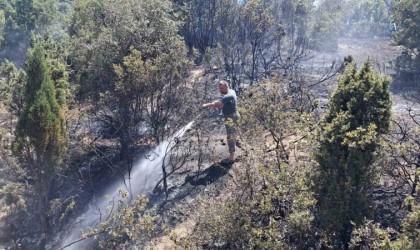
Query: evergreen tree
(40,132)
(358,114)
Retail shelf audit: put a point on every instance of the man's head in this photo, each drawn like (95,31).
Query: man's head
(223,87)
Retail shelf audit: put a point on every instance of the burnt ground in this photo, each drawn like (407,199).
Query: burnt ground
(192,183)
(382,54)
(210,181)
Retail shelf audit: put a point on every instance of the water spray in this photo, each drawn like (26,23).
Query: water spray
(145,173)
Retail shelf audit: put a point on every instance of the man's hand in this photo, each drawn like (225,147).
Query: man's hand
(216,104)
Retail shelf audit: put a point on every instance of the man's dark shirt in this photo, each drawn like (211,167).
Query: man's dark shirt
(229,103)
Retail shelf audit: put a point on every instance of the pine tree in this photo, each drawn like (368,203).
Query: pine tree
(40,132)
(359,112)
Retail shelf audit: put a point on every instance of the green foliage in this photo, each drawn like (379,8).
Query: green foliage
(152,86)
(410,236)
(362,100)
(200,22)
(358,113)
(12,89)
(259,23)
(223,224)
(21,19)
(281,165)
(232,45)
(15,193)
(149,92)
(267,204)
(266,112)
(359,18)
(258,19)
(41,123)
(131,62)
(370,236)
(13,209)
(326,24)
(36,70)
(130,224)
(294,15)
(104,31)
(41,120)
(40,135)
(368,18)
(47,127)
(62,207)
(27,15)
(2,23)
(243,37)
(408,23)
(56,56)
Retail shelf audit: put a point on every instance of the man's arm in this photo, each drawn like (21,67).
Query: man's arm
(216,104)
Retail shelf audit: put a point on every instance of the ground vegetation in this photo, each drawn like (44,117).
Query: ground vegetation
(90,90)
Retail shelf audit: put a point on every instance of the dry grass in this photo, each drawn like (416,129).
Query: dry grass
(182,230)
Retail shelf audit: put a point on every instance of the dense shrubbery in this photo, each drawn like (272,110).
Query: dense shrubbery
(267,204)
(302,182)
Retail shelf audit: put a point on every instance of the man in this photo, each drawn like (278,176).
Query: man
(229,113)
